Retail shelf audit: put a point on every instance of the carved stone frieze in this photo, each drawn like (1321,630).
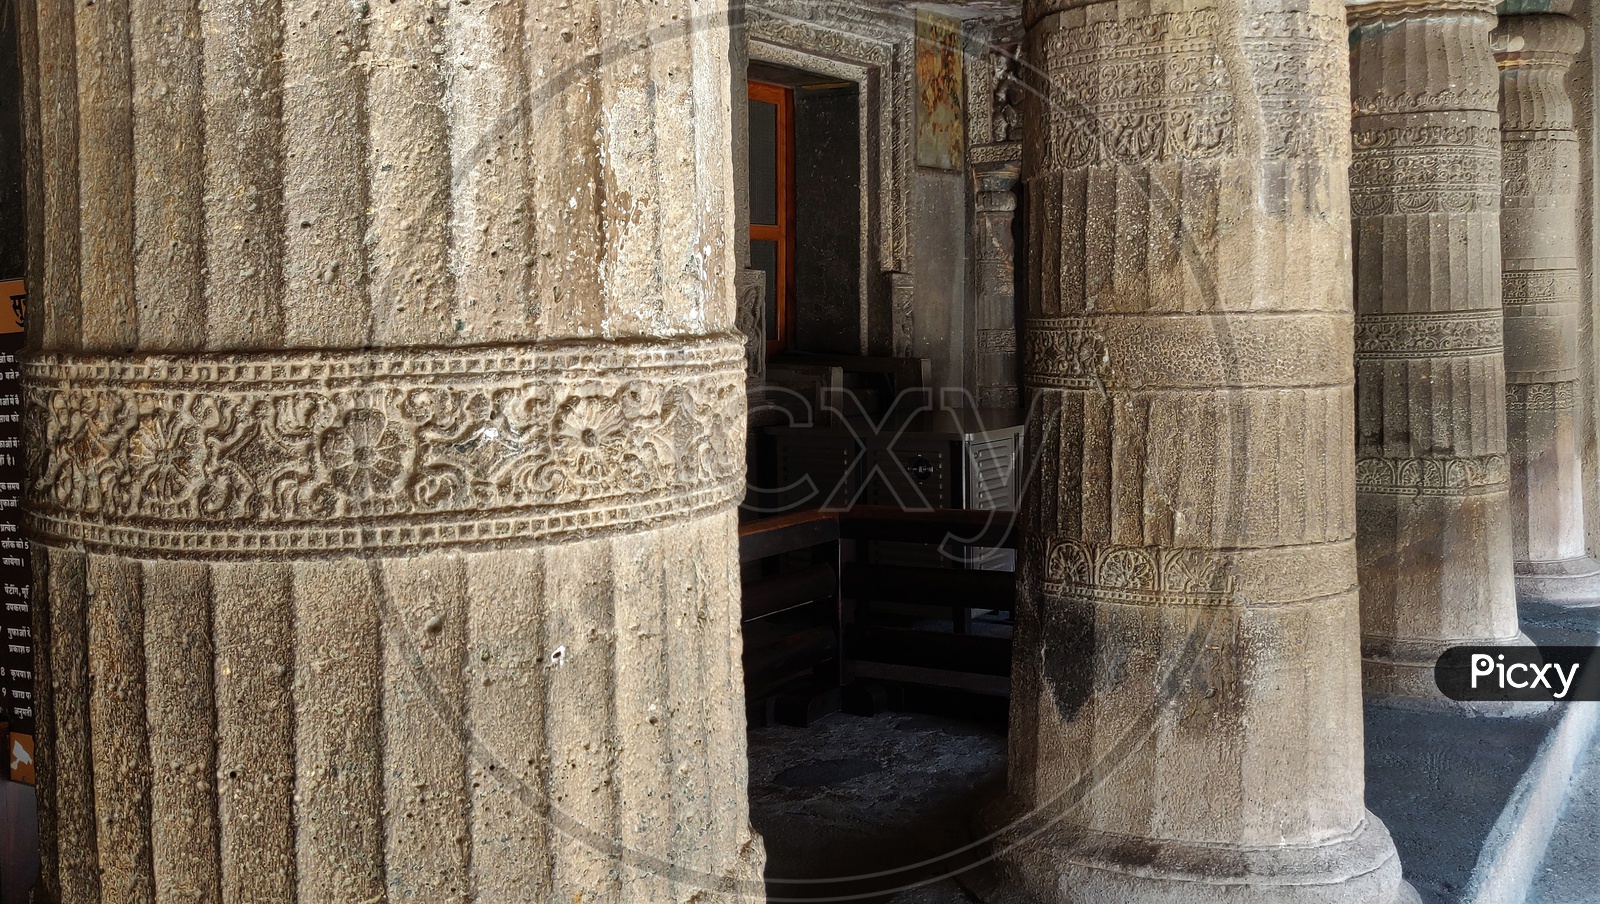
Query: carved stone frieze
(1064,353)
(997,340)
(1386,103)
(1442,335)
(1135,575)
(1431,476)
(393,452)
(1426,168)
(1539,167)
(982,154)
(1156,87)
(1537,288)
(1525,397)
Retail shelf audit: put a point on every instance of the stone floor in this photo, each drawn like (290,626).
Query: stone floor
(1571,870)
(865,808)
(1570,873)
(1439,781)
(872,808)
(878,809)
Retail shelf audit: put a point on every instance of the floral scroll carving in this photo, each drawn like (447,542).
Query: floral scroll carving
(1445,334)
(1064,353)
(1426,169)
(1540,167)
(1552,286)
(241,456)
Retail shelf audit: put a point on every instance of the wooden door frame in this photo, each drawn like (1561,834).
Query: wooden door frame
(782,97)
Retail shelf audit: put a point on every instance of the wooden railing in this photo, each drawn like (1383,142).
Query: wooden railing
(831,602)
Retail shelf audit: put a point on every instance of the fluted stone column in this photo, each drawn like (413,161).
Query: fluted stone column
(385,429)
(1432,478)
(1540,291)
(1186,701)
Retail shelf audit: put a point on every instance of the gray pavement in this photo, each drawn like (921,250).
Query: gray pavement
(1571,870)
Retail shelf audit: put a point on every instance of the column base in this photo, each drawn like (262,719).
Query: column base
(1568,582)
(1399,674)
(1076,866)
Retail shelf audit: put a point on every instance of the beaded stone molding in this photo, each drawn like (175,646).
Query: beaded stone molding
(389,452)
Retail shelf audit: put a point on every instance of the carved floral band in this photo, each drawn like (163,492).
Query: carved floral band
(392,452)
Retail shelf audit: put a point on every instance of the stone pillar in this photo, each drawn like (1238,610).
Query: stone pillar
(995,378)
(1186,701)
(1540,291)
(1431,470)
(385,428)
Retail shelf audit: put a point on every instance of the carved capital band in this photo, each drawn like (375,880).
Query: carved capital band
(1431,476)
(394,452)
(1186,351)
(1365,12)
(1146,88)
(1443,335)
(1538,289)
(1135,575)
(1430,168)
(1561,396)
(1102,573)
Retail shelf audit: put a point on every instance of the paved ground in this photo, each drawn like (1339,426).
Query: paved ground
(1439,782)
(1571,871)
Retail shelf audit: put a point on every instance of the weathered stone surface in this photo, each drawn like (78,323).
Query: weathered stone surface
(995,367)
(1186,709)
(1541,293)
(387,422)
(1432,471)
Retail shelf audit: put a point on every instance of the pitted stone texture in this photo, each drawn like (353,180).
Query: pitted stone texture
(1538,240)
(1186,686)
(325,290)
(996,375)
(1432,473)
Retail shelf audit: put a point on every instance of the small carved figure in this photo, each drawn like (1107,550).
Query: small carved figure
(1007,120)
